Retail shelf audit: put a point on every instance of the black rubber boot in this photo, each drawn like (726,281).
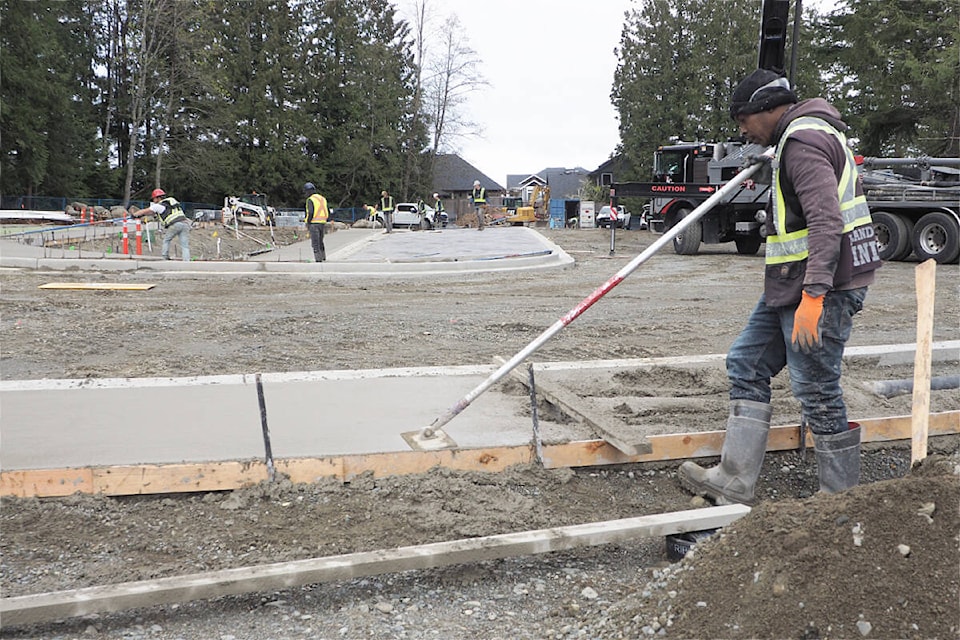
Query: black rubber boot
(745,443)
(838,459)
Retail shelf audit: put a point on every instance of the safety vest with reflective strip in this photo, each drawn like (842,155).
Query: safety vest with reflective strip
(789,244)
(480,196)
(386,204)
(172,212)
(320,211)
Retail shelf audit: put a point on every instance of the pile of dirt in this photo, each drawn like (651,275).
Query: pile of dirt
(878,561)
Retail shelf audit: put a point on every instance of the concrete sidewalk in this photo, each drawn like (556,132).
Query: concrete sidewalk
(76,423)
(349,251)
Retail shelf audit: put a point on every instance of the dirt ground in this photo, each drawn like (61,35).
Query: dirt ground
(876,562)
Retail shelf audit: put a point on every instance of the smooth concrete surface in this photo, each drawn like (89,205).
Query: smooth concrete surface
(349,251)
(77,423)
(169,421)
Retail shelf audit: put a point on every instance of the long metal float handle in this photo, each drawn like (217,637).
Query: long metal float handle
(599,292)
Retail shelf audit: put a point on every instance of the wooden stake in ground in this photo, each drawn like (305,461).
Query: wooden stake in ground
(926,278)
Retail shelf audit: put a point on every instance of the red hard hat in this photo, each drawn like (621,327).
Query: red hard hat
(157,193)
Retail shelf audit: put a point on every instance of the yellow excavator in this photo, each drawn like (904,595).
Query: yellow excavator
(536,209)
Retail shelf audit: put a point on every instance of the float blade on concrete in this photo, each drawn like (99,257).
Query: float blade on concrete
(429,440)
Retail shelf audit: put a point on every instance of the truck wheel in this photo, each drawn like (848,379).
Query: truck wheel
(688,242)
(893,235)
(937,236)
(748,245)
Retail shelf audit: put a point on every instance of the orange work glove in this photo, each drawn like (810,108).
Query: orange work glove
(806,323)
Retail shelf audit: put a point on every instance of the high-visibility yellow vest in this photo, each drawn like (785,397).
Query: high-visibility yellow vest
(386,204)
(320,211)
(480,196)
(173,212)
(789,243)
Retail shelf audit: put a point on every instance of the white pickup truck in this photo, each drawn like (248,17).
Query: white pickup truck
(406,214)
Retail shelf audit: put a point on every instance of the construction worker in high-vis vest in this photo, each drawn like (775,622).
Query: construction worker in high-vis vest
(317,216)
(174,221)
(479,197)
(386,208)
(821,255)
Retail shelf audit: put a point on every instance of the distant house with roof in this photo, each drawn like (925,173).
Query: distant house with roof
(564,183)
(616,169)
(453,179)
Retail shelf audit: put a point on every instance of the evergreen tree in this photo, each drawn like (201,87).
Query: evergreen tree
(253,73)
(48,141)
(679,63)
(357,95)
(894,70)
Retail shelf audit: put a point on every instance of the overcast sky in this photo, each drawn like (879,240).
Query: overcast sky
(550,65)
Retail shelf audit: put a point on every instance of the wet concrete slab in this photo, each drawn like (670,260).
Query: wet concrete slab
(67,424)
(77,423)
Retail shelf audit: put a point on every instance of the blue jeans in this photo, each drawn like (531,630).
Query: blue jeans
(182,229)
(763,348)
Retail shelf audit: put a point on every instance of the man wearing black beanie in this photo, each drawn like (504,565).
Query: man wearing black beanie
(821,255)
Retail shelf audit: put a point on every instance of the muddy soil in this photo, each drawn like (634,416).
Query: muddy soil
(799,566)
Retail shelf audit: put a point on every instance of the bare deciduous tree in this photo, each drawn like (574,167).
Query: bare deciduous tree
(454,74)
(149,56)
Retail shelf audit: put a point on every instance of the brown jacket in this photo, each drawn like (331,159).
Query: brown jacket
(811,165)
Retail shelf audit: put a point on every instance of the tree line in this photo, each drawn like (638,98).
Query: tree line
(891,67)
(214,97)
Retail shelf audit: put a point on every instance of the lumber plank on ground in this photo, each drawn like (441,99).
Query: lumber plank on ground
(707,443)
(225,475)
(46,483)
(97,286)
(44,607)
(618,433)
(232,474)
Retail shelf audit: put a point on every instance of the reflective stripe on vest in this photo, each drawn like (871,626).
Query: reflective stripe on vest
(386,204)
(320,212)
(482,199)
(791,246)
(173,212)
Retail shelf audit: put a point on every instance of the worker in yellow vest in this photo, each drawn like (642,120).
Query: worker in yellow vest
(386,208)
(479,197)
(317,216)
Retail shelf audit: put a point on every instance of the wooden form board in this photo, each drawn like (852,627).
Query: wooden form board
(97,286)
(620,435)
(44,607)
(232,474)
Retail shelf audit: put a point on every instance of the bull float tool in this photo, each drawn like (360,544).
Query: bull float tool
(434,438)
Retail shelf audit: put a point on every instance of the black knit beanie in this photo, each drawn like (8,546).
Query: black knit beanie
(762,90)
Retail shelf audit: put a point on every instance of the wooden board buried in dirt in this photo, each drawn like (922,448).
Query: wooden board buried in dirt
(97,286)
